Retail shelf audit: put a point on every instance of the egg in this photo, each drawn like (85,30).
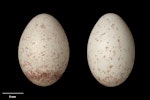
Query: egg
(43,50)
(111,50)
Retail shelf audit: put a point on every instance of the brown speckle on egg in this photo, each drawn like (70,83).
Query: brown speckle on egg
(117,28)
(118,58)
(110,58)
(114,52)
(48,38)
(44,46)
(104,72)
(26,63)
(93,69)
(98,78)
(26,47)
(96,39)
(110,66)
(43,55)
(118,40)
(119,65)
(43,26)
(106,47)
(104,56)
(108,71)
(33,43)
(112,26)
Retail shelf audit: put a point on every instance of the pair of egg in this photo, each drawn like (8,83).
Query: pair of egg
(43,50)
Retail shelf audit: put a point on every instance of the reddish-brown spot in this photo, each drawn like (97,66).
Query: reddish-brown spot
(121,74)
(26,47)
(33,42)
(43,26)
(114,52)
(108,71)
(112,26)
(43,55)
(22,50)
(118,40)
(96,39)
(118,58)
(61,53)
(26,63)
(104,56)
(98,69)
(104,80)
(44,46)
(110,58)
(106,47)
(110,66)
(107,78)
(104,72)
(57,57)
(28,55)
(98,78)
(48,38)
(128,69)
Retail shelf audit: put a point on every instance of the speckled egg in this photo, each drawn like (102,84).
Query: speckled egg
(43,50)
(111,50)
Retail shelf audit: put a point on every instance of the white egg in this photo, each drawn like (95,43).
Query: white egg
(111,50)
(43,50)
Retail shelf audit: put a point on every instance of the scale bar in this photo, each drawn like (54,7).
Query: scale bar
(12,93)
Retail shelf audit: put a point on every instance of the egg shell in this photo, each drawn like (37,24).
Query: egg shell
(111,50)
(43,50)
